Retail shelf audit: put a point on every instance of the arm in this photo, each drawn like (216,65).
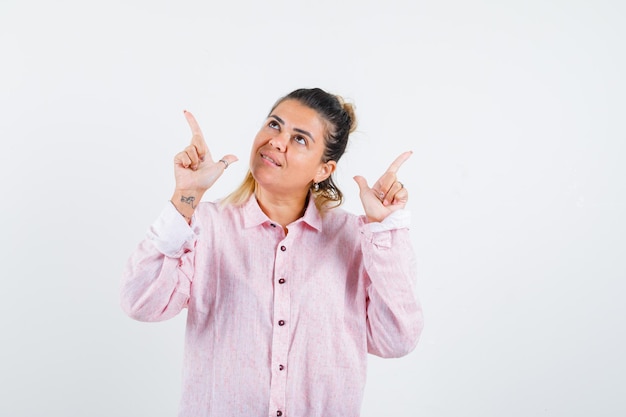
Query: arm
(158,276)
(394,315)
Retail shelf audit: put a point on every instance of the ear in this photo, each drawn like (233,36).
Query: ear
(325,170)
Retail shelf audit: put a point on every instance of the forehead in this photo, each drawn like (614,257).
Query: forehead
(298,115)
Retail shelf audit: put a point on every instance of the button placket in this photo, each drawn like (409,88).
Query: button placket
(281,330)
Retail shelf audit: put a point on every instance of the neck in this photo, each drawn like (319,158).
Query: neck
(282,209)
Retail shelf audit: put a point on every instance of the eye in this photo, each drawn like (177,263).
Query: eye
(300,139)
(273,124)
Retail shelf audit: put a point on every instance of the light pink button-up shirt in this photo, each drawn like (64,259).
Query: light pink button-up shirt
(277,324)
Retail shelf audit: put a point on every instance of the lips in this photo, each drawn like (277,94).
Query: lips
(268,158)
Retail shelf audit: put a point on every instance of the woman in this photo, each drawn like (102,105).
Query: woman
(285,293)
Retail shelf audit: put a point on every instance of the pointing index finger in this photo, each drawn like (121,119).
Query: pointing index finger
(395,165)
(193,124)
(197,139)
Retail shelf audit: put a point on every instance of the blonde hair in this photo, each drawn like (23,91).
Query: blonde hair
(243,192)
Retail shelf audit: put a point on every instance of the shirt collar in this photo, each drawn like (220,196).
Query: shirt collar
(254,216)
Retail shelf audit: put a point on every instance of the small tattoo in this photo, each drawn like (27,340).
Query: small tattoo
(188,200)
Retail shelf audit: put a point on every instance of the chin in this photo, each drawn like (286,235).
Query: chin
(262,178)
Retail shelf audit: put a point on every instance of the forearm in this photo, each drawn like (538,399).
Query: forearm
(157,278)
(394,313)
(154,288)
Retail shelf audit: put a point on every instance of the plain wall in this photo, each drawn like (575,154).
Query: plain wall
(515,113)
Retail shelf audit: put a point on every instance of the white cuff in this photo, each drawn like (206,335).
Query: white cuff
(399,219)
(170,232)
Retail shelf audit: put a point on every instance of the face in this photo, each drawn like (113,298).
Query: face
(287,152)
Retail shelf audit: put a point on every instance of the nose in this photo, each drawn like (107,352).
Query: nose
(279,141)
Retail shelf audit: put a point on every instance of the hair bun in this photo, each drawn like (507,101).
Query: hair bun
(350,110)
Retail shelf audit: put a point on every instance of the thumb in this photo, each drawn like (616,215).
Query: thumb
(229,159)
(362,183)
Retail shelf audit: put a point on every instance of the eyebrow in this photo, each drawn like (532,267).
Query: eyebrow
(282,122)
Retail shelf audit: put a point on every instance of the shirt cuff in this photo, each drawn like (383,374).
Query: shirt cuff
(399,219)
(170,232)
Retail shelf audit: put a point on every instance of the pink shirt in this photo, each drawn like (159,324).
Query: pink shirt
(277,325)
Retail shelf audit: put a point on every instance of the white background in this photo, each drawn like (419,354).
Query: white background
(515,111)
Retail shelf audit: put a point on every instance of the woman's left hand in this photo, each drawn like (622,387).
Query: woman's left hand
(387,195)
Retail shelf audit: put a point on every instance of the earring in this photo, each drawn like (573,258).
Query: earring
(316,186)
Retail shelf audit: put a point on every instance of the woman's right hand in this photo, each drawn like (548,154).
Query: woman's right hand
(195,171)
(194,168)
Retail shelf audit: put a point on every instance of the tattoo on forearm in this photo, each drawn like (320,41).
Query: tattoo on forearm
(188,200)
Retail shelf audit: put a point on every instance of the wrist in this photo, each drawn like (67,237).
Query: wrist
(187,218)
(186,201)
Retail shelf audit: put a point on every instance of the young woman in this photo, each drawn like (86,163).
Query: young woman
(285,293)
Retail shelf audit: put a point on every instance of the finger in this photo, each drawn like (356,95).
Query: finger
(395,165)
(362,183)
(197,138)
(182,159)
(401,197)
(396,187)
(384,184)
(227,160)
(192,153)
(193,124)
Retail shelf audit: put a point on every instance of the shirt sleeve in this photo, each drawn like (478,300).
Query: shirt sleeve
(394,314)
(157,278)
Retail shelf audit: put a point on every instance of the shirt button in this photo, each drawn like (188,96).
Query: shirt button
(281,281)
(281,322)
(281,367)
(279,413)
(283,248)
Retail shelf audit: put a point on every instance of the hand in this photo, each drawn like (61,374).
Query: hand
(194,168)
(387,195)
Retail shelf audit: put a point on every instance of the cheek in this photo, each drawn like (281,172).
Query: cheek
(257,140)
(256,144)
(307,166)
